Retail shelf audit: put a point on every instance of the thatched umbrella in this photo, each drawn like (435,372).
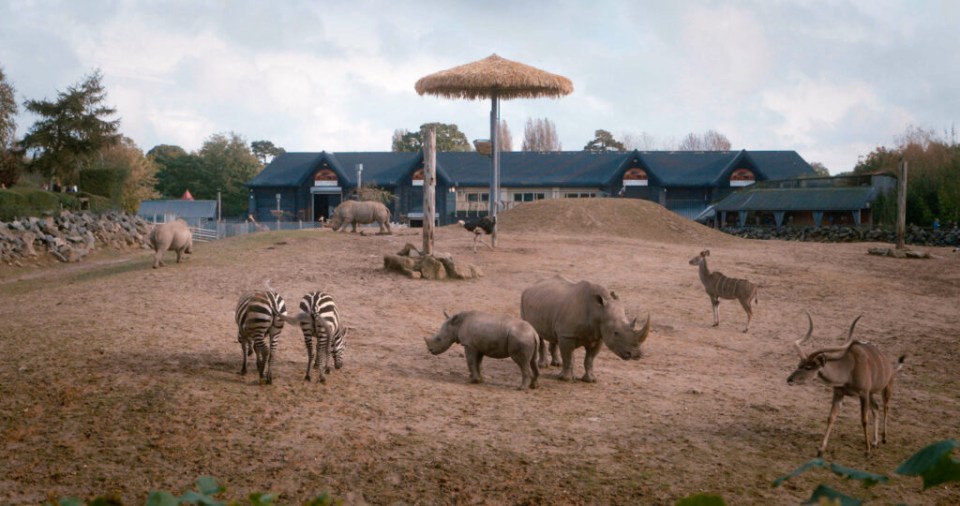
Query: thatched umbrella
(494,77)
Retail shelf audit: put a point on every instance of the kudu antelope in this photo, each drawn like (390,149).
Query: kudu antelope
(719,287)
(857,368)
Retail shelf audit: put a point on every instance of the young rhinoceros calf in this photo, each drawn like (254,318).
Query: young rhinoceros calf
(487,335)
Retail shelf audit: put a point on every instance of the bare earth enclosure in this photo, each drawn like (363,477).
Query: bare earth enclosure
(119,379)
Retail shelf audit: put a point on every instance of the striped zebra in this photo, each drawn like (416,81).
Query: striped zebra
(719,287)
(319,319)
(259,314)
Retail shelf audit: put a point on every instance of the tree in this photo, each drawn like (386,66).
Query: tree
(715,141)
(71,130)
(643,142)
(604,141)
(226,163)
(449,138)
(137,172)
(540,135)
(265,151)
(177,170)
(933,182)
(8,113)
(505,137)
(711,140)
(820,169)
(11,158)
(164,153)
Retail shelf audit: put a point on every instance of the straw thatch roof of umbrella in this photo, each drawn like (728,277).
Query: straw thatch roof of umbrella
(491,76)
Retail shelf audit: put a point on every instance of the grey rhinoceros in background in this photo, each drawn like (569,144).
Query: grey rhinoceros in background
(174,235)
(488,335)
(363,212)
(571,315)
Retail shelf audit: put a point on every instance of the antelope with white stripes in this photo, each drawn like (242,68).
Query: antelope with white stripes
(858,369)
(719,287)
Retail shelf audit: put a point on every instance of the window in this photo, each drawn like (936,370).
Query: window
(528,197)
(477,197)
(742,177)
(579,195)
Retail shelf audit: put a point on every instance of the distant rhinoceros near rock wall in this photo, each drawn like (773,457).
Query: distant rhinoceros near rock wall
(175,236)
(364,213)
(571,315)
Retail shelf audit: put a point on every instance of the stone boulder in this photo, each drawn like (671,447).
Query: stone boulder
(412,263)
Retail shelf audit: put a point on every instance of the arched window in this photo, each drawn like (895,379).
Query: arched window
(418,178)
(325,177)
(742,177)
(635,177)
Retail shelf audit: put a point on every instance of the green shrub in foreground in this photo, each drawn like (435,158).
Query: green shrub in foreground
(205,494)
(934,464)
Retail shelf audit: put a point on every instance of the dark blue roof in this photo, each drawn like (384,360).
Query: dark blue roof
(288,169)
(380,168)
(536,169)
(533,169)
(798,199)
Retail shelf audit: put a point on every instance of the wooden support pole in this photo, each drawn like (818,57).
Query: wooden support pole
(429,137)
(901,204)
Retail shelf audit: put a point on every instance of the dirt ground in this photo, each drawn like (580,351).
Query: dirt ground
(119,379)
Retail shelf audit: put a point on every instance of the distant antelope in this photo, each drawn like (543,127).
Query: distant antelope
(857,368)
(719,287)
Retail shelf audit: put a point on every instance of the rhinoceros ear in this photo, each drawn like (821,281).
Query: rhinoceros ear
(613,295)
(456,319)
(445,315)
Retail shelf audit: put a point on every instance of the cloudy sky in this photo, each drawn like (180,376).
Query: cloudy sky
(831,80)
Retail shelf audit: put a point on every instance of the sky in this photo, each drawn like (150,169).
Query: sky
(831,80)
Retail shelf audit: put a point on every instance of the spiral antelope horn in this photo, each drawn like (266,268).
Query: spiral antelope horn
(800,341)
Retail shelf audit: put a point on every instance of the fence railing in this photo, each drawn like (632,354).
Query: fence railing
(205,229)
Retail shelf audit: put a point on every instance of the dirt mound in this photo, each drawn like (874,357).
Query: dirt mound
(617,217)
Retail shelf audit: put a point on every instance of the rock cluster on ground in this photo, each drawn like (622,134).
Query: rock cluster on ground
(68,236)
(914,235)
(414,264)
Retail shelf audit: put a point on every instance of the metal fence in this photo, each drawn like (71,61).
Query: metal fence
(206,229)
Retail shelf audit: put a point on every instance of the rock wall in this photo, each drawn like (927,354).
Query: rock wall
(68,237)
(914,235)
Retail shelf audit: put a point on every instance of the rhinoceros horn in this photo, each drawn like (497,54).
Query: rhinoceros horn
(642,333)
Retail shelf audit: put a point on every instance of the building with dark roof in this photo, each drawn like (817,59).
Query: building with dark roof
(192,211)
(308,186)
(818,201)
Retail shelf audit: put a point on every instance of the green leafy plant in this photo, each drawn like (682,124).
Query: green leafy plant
(934,463)
(702,500)
(207,490)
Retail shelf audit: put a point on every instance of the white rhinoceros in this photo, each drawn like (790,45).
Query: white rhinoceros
(571,315)
(174,235)
(362,212)
(490,335)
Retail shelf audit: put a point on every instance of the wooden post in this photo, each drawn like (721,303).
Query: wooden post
(429,137)
(495,163)
(902,204)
